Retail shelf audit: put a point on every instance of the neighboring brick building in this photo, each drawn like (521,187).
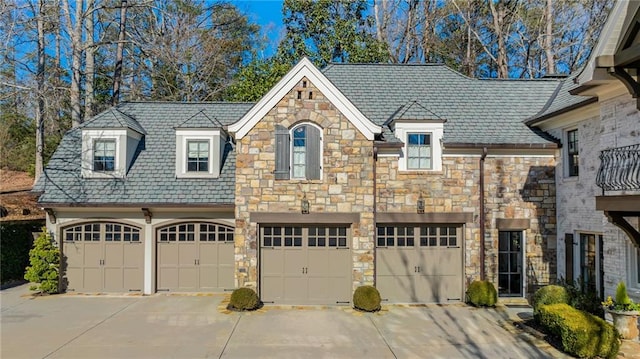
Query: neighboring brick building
(596,115)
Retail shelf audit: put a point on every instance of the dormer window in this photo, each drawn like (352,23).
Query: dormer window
(419,151)
(104,155)
(198,156)
(108,153)
(199,152)
(422,149)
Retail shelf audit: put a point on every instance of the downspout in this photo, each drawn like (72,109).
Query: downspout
(375,211)
(482,215)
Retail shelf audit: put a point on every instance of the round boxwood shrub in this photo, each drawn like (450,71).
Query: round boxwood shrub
(550,294)
(243,299)
(482,293)
(367,298)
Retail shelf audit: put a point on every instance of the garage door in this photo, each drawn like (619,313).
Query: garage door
(419,264)
(103,257)
(305,265)
(195,256)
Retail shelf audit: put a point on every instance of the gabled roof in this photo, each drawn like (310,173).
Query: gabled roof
(113,119)
(413,111)
(200,120)
(487,112)
(305,69)
(151,178)
(611,36)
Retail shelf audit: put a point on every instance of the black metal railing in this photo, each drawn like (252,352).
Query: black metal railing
(619,169)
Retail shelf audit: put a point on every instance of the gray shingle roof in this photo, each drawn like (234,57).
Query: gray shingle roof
(114,118)
(477,111)
(413,110)
(151,178)
(562,100)
(200,120)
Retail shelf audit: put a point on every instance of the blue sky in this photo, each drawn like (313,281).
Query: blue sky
(268,14)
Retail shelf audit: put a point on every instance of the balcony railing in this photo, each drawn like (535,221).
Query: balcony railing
(619,169)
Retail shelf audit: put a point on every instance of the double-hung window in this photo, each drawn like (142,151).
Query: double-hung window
(419,151)
(197,155)
(298,152)
(104,155)
(573,154)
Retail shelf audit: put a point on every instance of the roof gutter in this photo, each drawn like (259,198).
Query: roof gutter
(222,206)
(496,146)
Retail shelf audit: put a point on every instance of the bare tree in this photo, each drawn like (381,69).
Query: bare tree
(89,65)
(74,29)
(117,74)
(40,113)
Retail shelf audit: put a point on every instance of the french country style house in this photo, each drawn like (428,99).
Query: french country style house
(413,178)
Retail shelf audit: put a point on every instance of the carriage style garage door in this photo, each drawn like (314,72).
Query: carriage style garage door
(305,265)
(195,256)
(103,257)
(419,264)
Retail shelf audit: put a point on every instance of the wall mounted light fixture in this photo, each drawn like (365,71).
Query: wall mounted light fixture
(420,204)
(304,204)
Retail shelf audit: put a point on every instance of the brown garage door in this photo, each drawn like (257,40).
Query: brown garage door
(419,264)
(305,265)
(103,257)
(195,256)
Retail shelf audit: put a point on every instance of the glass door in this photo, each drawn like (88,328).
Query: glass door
(510,280)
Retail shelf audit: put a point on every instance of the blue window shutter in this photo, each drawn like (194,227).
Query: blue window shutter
(314,166)
(282,153)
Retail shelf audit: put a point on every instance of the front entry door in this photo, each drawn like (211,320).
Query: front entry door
(589,263)
(510,280)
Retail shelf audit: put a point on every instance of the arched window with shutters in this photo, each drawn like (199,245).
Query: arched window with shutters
(298,152)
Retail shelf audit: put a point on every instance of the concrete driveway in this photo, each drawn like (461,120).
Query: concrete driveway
(174,326)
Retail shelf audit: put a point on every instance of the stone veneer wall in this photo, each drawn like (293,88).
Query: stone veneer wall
(346,184)
(515,187)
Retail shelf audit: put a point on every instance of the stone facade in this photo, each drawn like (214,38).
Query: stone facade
(346,185)
(515,188)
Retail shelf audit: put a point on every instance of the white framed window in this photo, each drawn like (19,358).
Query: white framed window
(419,151)
(298,152)
(105,152)
(422,149)
(199,153)
(104,155)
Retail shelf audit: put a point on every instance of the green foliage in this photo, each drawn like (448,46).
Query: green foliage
(44,259)
(586,299)
(244,299)
(255,79)
(330,31)
(367,298)
(551,294)
(621,295)
(482,294)
(622,303)
(582,334)
(15,242)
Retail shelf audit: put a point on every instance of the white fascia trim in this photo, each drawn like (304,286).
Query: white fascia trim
(305,68)
(608,40)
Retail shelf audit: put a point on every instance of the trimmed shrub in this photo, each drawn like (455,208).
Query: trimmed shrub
(243,299)
(551,294)
(367,298)
(44,259)
(482,293)
(582,334)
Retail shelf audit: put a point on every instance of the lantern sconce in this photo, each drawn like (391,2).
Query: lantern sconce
(304,204)
(420,204)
